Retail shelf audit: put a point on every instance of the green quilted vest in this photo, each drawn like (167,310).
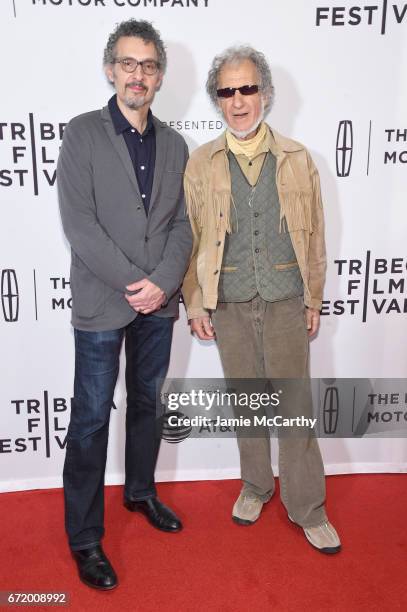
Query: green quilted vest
(257,258)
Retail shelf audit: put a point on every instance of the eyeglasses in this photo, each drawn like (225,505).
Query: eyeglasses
(129,64)
(245,90)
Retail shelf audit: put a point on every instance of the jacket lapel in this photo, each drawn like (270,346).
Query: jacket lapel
(120,146)
(161,146)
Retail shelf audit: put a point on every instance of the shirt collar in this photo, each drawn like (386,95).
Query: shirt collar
(121,124)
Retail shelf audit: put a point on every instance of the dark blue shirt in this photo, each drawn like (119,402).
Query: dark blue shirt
(141,148)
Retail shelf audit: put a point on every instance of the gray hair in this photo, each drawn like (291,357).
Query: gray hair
(236,55)
(140,29)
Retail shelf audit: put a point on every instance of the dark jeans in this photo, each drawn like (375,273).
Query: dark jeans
(148,344)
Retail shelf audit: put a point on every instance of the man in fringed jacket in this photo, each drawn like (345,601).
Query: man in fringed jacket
(256,276)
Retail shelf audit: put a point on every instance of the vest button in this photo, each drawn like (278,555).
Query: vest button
(218,243)
(146,239)
(256,233)
(257,250)
(256,214)
(216,271)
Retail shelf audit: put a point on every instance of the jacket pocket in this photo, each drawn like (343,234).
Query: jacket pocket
(286,266)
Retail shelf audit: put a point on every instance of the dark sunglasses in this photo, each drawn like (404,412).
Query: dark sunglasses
(245,90)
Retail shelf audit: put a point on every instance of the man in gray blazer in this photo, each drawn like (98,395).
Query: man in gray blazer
(122,205)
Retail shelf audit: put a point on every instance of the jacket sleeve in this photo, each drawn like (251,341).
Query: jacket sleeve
(87,237)
(191,290)
(169,273)
(317,252)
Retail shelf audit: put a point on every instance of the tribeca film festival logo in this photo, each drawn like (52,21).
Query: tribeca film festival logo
(394,143)
(378,15)
(44,424)
(33,148)
(16,4)
(373,285)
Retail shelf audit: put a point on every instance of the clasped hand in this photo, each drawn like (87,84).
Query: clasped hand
(148,298)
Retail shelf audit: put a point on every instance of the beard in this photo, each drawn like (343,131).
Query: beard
(134,104)
(242,134)
(137,101)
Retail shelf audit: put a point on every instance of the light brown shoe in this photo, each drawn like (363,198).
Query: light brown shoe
(324,538)
(247,509)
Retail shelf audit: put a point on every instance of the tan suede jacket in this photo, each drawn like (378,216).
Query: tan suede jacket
(208,195)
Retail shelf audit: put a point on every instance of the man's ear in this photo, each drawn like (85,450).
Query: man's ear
(109,72)
(268,99)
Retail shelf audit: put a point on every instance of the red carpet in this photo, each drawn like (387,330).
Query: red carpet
(214,564)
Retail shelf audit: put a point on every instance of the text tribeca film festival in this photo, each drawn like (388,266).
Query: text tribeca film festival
(203,408)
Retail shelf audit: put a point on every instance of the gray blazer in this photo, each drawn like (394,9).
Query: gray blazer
(113,241)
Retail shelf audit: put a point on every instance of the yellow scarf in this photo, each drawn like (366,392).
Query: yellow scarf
(246,147)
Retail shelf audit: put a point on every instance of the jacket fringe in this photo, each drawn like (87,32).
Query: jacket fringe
(295,208)
(194,200)
(316,189)
(221,209)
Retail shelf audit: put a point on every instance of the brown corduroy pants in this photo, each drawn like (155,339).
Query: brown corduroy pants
(259,339)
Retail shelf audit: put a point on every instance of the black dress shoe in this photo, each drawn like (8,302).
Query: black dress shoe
(157,513)
(95,569)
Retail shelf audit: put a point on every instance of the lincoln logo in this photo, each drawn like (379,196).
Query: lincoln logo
(9,295)
(344,148)
(331,410)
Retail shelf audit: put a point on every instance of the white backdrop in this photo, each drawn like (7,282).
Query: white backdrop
(330,65)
